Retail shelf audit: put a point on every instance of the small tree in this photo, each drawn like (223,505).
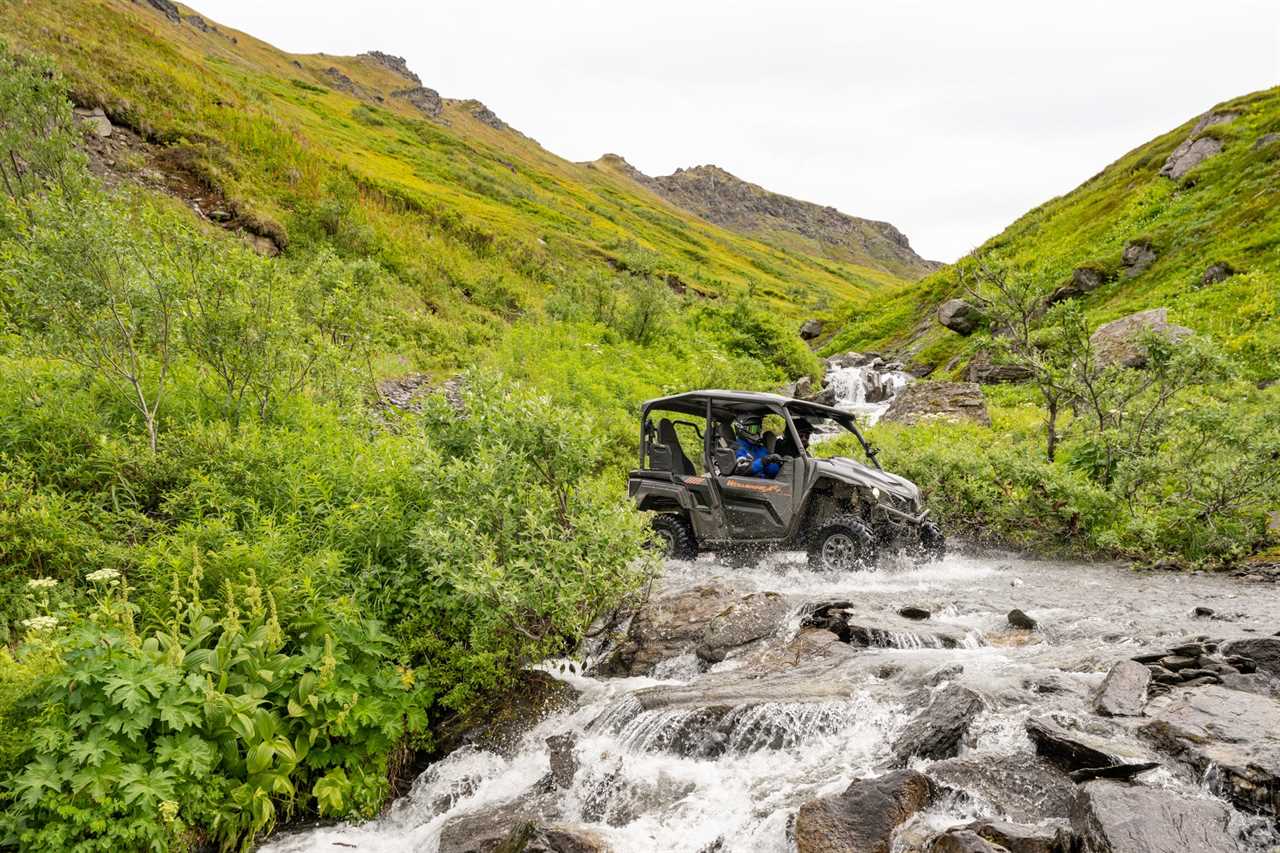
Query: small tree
(37,132)
(1015,305)
(98,285)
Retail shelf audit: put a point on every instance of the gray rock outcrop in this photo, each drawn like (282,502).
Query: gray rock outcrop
(1195,149)
(1214,273)
(426,101)
(1138,255)
(959,316)
(395,64)
(1083,280)
(667,626)
(1120,341)
(939,401)
(1263,651)
(1022,787)
(810,329)
(984,371)
(750,618)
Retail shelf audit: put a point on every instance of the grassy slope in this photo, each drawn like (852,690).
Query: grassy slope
(1227,209)
(477,223)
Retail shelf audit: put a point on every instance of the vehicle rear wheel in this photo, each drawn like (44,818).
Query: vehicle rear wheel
(844,543)
(673,537)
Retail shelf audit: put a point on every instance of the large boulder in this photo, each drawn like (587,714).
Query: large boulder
(1120,341)
(1019,786)
(750,618)
(667,626)
(1217,272)
(1111,817)
(960,316)
(939,401)
(1137,256)
(424,100)
(1263,651)
(1236,734)
(984,371)
(1195,149)
(1123,692)
(810,329)
(1064,742)
(525,824)
(94,121)
(862,818)
(938,730)
(1083,280)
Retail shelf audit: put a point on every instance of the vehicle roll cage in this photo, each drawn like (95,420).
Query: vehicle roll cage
(726,405)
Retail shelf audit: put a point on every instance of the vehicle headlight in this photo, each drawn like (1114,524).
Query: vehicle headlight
(875,492)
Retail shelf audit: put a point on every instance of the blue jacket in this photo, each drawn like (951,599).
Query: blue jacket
(756,452)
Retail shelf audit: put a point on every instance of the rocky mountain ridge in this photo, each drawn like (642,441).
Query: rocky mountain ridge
(721,197)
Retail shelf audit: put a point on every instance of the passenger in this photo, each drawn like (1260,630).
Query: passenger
(754,458)
(805,430)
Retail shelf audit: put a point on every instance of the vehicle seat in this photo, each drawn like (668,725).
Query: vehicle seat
(724,435)
(680,463)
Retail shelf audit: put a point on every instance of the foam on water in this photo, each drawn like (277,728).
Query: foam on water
(683,778)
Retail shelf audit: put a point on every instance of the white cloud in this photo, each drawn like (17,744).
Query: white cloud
(948,119)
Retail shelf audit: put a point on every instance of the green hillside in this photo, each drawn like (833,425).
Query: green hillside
(476,220)
(1224,210)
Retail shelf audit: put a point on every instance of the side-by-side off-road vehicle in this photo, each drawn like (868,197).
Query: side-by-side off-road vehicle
(841,511)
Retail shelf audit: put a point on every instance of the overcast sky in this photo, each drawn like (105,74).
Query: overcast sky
(949,119)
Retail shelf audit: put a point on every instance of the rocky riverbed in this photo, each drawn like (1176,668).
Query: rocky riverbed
(906,709)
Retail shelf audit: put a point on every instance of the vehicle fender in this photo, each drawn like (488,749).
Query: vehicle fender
(660,496)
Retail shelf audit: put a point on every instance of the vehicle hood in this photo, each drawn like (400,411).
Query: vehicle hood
(850,471)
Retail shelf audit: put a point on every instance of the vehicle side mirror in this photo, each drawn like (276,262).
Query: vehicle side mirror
(724,460)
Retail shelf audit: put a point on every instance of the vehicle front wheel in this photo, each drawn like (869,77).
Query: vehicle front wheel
(673,537)
(844,543)
(933,545)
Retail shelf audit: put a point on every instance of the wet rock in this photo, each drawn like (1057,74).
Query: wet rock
(1119,342)
(1264,652)
(1021,838)
(943,674)
(963,841)
(864,816)
(1137,257)
(1110,817)
(917,613)
(1083,280)
(666,626)
(1018,619)
(959,316)
(986,372)
(1179,662)
(1241,663)
(810,329)
(1073,749)
(937,731)
(1215,273)
(498,724)
(1115,771)
(1124,691)
(1022,787)
(424,100)
(525,824)
(1237,734)
(94,121)
(1202,612)
(954,402)
(750,618)
(564,764)
(836,617)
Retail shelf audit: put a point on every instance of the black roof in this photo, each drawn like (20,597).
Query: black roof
(694,403)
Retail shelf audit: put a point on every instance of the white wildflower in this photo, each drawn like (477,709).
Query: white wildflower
(103,576)
(42,583)
(40,623)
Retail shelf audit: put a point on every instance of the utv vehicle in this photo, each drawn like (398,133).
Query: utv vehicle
(841,511)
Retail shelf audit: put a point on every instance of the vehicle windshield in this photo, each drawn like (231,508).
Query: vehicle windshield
(833,436)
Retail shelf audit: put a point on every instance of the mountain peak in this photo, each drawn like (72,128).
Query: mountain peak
(717,195)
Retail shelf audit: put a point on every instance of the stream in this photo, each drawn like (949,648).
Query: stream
(727,705)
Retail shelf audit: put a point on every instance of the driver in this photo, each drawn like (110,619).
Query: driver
(754,458)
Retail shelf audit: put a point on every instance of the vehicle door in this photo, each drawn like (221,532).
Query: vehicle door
(757,507)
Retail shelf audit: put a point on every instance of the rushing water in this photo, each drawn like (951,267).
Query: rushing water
(866,390)
(647,783)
